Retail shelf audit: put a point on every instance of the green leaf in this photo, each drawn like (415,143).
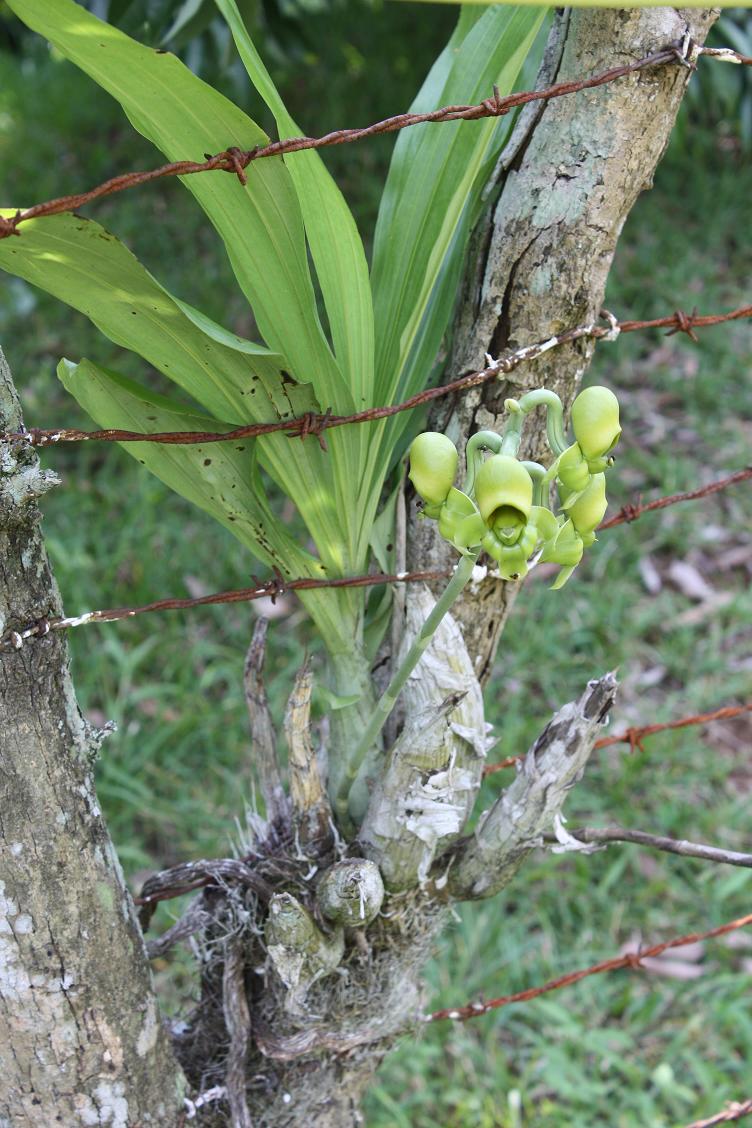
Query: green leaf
(434,185)
(342,271)
(82,264)
(336,246)
(220,478)
(79,262)
(217,477)
(261,224)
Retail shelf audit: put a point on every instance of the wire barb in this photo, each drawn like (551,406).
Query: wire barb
(685,324)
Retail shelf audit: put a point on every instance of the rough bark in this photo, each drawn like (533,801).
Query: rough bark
(542,254)
(81,1040)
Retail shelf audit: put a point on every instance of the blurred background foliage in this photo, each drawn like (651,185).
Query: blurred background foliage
(666,600)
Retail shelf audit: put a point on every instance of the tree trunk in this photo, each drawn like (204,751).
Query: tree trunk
(82,1040)
(541,256)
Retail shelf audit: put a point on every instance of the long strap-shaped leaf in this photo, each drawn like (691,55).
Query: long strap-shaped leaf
(220,478)
(261,224)
(434,178)
(80,263)
(336,246)
(339,258)
(430,202)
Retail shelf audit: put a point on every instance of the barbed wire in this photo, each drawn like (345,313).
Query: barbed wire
(278,585)
(273,588)
(635,736)
(315,424)
(631,960)
(734,1110)
(234,160)
(632,510)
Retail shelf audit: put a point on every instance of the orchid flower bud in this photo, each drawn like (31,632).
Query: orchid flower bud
(595,421)
(587,512)
(504,492)
(433,466)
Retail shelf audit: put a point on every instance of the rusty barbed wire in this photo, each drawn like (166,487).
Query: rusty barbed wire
(634,736)
(629,960)
(277,585)
(236,161)
(315,424)
(633,510)
(273,588)
(734,1110)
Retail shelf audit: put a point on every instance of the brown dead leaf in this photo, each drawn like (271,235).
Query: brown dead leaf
(696,615)
(690,581)
(649,574)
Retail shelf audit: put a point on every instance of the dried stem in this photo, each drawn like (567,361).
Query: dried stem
(484,863)
(735,1110)
(635,736)
(262,729)
(238,1021)
(194,919)
(311,811)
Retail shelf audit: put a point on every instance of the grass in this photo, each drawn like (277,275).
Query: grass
(620,1050)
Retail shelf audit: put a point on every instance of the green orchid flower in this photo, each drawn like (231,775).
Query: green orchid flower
(595,421)
(504,507)
(513,560)
(460,523)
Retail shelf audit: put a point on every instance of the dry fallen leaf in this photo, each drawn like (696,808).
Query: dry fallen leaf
(689,581)
(649,575)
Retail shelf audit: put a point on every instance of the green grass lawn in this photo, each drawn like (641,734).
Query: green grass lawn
(647,1049)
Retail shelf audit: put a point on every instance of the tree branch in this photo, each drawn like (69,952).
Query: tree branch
(76,1000)
(735,1110)
(605,835)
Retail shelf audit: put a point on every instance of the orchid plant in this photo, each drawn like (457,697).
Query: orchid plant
(296,252)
